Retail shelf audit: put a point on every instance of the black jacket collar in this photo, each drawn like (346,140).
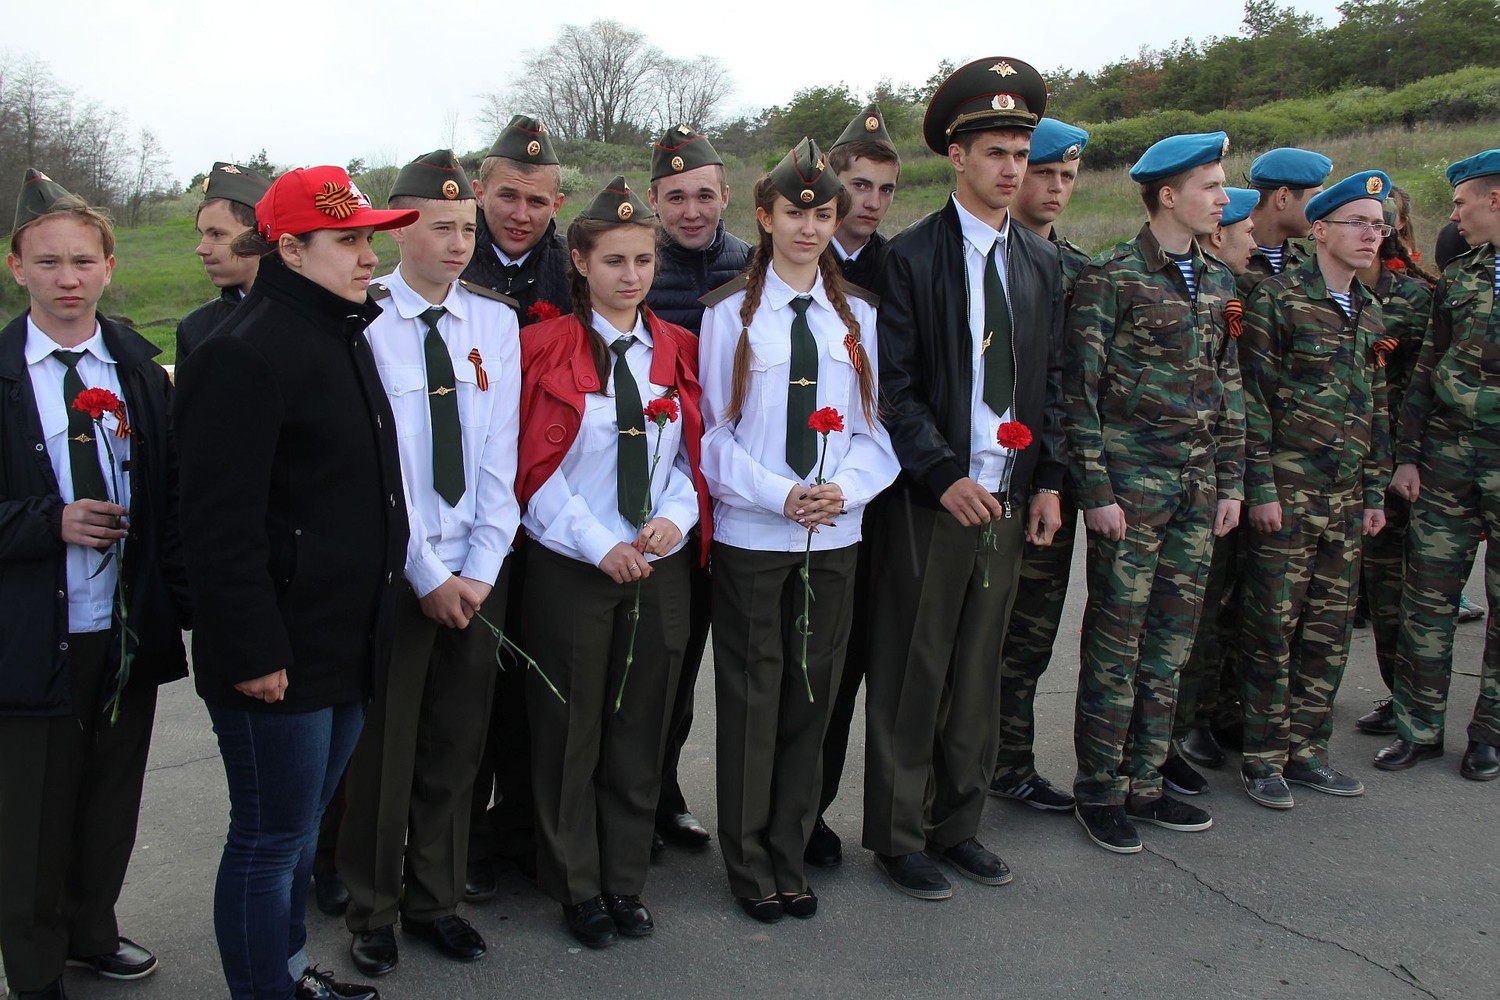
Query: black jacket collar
(280,283)
(128,348)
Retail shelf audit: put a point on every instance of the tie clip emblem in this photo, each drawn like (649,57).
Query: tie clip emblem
(632,431)
(442,390)
(804,383)
(986,345)
(82,439)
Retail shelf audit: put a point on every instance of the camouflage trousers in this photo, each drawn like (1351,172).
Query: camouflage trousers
(1459,500)
(1208,691)
(1034,619)
(1382,578)
(1296,621)
(1145,598)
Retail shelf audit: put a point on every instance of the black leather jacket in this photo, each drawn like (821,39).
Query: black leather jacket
(683,276)
(926,368)
(864,270)
(541,277)
(194,328)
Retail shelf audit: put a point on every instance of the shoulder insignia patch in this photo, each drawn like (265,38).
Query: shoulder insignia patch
(863,294)
(379,291)
(488,293)
(723,292)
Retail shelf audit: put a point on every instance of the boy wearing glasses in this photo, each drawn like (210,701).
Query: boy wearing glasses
(1316,468)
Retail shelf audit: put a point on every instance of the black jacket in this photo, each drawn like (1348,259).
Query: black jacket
(194,328)
(541,277)
(293,519)
(926,368)
(34,677)
(864,270)
(684,276)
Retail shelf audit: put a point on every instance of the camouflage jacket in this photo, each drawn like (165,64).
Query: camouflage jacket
(1315,414)
(1455,387)
(1151,380)
(1073,260)
(1292,254)
(1406,301)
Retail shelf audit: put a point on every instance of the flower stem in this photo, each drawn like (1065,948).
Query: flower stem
(503,643)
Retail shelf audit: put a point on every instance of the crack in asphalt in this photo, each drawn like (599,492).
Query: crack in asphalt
(183,763)
(1408,979)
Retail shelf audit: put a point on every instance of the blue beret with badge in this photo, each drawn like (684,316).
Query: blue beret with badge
(1242,202)
(1177,153)
(1365,184)
(1483,164)
(1289,167)
(1053,141)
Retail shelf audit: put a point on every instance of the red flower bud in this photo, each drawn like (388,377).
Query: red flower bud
(663,411)
(541,310)
(97,402)
(1014,434)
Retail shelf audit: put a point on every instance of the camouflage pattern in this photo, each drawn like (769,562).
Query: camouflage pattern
(1293,253)
(1154,418)
(1208,690)
(1316,442)
(1450,427)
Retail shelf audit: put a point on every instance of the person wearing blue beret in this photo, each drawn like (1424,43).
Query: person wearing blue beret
(1233,242)
(1448,467)
(1285,178)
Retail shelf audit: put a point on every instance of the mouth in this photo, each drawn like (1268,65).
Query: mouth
(519,235)
(70,300)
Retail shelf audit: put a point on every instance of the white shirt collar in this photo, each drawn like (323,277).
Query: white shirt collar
(505,258)
(777,293)
(980,234)
(410,305)
(838,248)
(606,329)
(40,346)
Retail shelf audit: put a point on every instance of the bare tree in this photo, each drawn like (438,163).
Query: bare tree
(689,91)
(150,174)
(591,81)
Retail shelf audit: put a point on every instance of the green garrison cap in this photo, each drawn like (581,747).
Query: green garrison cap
(803,177)
(524,140)
(234,183)
(39,195)
(867,126)
(617,203)
(997,92)
(436,175)
(681,150)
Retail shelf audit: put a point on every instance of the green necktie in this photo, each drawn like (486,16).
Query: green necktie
(630,467)
(802,392)
(442,404)
(83,452)
(999,362)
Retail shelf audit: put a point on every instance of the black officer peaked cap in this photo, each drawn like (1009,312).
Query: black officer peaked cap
(996,92)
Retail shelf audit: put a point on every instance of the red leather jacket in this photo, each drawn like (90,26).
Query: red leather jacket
(557,372)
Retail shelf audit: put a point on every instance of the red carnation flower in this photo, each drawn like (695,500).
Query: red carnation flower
(541,310)
(1416,256)
(97,402)
(826,420)
(1395,264)
(1014,434)
(662,411)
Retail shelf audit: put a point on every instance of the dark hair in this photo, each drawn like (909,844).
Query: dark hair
(251,243)
(833,286)
(841,158)
(76,208)
(1267,193)
(242,213)
(583,236)
(1151,190)
(966,138)
(1397,246)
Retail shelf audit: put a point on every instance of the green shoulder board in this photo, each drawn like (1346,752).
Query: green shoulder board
(723,292)
(378,291)
(488,293)
(863,294)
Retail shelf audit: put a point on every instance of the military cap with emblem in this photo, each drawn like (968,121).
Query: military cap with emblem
(680,150)
(1289,167)
(617,203)
(1054,141)
(1176,153)
(1365,184)
(1485,164)
(525,140)
(804,178)
(436,175)
(39,195)
(233,182)
(867,126)
(992,93)
(1242,202)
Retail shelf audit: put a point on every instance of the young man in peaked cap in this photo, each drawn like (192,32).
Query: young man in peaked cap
(228,209)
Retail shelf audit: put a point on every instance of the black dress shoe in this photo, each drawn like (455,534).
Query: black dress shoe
(52,991)
(682,829)
(1381,720)
(126,962)
(1229,737)
(971,860)
(915,875)
(824,849)
(629,914)
(316,984)
(767,911)
(801,905)
(450,934)
(479,882)
(374,953)
(330,893)
(591,923)
(1403,754)
(1200,747)
(1481,762)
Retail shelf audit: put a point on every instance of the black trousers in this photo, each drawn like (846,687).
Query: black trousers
(680,723)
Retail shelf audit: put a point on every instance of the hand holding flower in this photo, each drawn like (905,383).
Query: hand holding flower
(623,564)
(658,537)
(95,524)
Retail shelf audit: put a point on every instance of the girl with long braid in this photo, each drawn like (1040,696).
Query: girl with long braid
(784,340)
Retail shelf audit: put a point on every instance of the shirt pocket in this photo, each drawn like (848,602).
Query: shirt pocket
(839,382)
(406,388)
(1158,331)
(473,405)
(770,369)
(599,434)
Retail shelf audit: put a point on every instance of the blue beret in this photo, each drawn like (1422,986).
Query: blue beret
(1242,202)
(1289,167)
(1480,165)
(1177,153)
(1365,184)
(1057,142)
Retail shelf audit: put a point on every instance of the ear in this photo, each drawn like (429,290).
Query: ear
(558,204)
(15,269)
(478,190)
(580,263)
(764,218)
(291,251)
(1167,196)
(651,197)
(724,197)
(399,235)
(956,156)
(109,269)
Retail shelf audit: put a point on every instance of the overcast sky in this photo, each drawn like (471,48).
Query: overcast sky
(314,81)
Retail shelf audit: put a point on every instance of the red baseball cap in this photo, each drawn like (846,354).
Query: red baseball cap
(310,198)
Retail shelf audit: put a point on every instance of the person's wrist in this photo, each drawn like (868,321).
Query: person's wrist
(1047,491)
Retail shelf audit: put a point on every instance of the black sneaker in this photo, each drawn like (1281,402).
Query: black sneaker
(1170,813)
(1269,790)
(1179,776)
(1379,721)
(316,984)
(824,849)
(1036,791)
(1322,778)
(1110,828)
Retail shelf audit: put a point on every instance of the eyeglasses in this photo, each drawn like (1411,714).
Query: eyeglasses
(1364,228)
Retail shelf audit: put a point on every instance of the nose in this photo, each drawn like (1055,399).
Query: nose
(203,249)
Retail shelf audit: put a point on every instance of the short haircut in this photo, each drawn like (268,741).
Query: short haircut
(490,163)
(1267,193)
(1151,190)
(243,214)
(76,208)
(719,168)
(841,158)
(966,139)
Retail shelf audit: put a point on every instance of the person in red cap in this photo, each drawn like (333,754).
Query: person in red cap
(296,529)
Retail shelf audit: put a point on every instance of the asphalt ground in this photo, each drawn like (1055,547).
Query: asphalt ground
(1392,895)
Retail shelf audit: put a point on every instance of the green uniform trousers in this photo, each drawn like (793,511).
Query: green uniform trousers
(1145,599)
(70,797)
(1458,503)
(1208,691)
(1382,578)
(596,772)
(932,693)
(404,842)
(770,735)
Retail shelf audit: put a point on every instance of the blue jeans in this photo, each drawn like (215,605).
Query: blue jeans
(282,770)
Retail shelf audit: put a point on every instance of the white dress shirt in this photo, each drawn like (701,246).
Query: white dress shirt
(90,598)
(838,248)
(472,538)
(576,512)
(989,464)
(745,461)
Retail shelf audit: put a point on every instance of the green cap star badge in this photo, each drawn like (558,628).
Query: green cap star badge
(436,175)
(680,150)
(525,140)
(617,203)
(234,183)
(867,126)
(804,178)
(39,195)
